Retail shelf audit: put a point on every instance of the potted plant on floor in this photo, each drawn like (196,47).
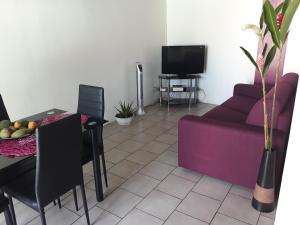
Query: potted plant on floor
(125,113)
(275,21)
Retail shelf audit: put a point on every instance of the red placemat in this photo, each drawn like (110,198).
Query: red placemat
(27,146)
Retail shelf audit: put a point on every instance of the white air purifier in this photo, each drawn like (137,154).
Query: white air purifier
(139,84)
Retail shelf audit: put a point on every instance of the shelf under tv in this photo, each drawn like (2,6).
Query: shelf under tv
(178,94)
(185,89)
(179,101)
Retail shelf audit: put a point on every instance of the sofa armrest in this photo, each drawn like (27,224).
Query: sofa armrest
(248,90)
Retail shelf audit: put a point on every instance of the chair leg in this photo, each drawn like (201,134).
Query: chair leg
(54,203)
(104,168)
(59,203)
(43,217)
(75,198)
(12,210)
(8,217)
(85,203)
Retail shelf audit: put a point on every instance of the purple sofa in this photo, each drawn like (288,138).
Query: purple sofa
(228,141)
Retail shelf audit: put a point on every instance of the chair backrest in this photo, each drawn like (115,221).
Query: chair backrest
(3,112)
(58,166)
(91,101)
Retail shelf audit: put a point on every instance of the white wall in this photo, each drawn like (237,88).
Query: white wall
(289,198)
(48,47)
(292,62)
(216,24)
(288,205)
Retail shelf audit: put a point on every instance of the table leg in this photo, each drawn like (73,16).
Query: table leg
(169,91)
(190,94)
(197,90)
(160,91)
(96,166)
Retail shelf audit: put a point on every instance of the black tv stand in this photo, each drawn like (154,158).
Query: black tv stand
(171,95)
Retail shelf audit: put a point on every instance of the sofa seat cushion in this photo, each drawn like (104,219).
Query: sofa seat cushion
(240,103)
(226,114)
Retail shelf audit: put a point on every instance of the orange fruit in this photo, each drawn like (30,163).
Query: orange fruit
(17,124)
(32,125)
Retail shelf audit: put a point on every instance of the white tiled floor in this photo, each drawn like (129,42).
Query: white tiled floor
(199,206)
(159,204)
(146,187)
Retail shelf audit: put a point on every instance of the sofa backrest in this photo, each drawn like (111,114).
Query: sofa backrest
(286,90)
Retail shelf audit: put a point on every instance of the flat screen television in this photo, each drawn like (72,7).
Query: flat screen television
(183,60)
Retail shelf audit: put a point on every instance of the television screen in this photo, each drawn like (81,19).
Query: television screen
(183,60)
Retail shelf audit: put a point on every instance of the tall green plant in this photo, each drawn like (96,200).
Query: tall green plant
(275,21)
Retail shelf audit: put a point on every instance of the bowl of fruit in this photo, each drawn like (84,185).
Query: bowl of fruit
(16,130)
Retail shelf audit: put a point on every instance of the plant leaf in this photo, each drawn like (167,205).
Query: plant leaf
(261,20)
(266,31)
(269,59)
(270,19)
(125,110)
(254,28)
(286,37)
(285,6)
(250,57)
(288,17)
(265,49)
(279,8)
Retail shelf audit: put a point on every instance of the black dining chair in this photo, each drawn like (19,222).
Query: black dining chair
(91,103)
(58,167)
(5,208)
(3,111)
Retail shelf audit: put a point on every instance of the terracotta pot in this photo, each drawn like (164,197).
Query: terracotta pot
(124,121)
(264,195)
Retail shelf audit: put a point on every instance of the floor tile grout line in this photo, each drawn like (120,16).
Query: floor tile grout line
(230,193)
(221,203)
(245,199)
(206,196)
(181,200)
(258,218)
(126,179)
(51,208)
(231,217)
(135,207)
(239,196)
(110,212)
(171,194)
(93,208)
(188,216)
(76,212)
(31,219)
(160,181)
(184,177)
(141,199)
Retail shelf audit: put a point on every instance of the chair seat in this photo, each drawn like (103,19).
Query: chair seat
(23,188)
(3,203)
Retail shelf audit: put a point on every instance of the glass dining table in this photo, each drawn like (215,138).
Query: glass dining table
(11,167)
